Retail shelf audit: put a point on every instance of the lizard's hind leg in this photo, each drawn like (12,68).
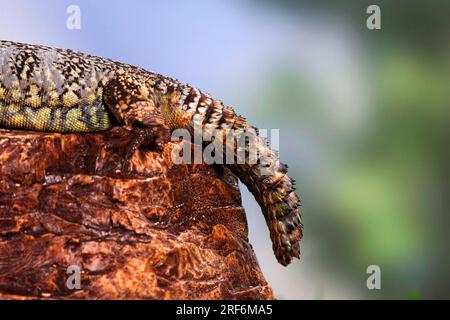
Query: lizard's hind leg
(135,108)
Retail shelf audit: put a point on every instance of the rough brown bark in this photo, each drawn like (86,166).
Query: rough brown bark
(163,231)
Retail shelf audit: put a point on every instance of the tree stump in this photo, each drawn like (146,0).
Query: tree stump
(159,231)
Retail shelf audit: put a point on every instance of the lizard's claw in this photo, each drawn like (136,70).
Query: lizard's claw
(138,137)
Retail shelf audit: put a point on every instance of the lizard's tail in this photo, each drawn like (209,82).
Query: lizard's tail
(266,178)
(264,175)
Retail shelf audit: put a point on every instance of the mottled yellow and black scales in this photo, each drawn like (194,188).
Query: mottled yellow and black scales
(43,90)
(60,90)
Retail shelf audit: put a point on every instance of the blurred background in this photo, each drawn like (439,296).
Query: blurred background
(363,118)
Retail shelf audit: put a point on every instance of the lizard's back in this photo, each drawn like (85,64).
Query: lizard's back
(57,90)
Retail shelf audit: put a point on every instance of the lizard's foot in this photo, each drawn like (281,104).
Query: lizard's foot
(137,137)
(160,135)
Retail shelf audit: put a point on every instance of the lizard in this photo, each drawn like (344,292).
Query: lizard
(60,90)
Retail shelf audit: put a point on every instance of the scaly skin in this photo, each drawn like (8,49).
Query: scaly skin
(58,90)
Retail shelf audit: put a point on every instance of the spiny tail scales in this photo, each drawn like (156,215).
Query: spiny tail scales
(265,176)
(274,191)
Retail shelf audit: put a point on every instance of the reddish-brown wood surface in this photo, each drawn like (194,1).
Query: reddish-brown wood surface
(161,231)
